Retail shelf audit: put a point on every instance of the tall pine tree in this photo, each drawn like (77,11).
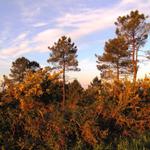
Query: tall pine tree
(115,56)
(63,56)
(135,30)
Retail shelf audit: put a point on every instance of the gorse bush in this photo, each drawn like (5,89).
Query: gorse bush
(118,118)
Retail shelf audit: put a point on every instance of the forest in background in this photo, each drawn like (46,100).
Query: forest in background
(39,109)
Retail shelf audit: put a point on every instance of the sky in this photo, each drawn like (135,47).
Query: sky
(28,27)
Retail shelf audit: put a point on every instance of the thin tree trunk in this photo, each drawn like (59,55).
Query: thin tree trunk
(64,91)
(134,69)
(117,72)
(136,63)
(134,60)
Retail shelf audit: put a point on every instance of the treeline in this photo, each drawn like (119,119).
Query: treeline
(40,110)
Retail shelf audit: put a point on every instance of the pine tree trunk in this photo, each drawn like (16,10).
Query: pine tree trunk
(134,60)
(64,91)
(136,64)
(117,72)
(135,72)
(134,68)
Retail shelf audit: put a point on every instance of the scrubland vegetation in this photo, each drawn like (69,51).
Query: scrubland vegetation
(39,110)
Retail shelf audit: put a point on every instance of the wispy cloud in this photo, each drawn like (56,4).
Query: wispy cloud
(93,20)
(27,14)
(19,45)
(128,1)
(88,21)
(15,50)
(20,37)
(47,35)
(46,38)
(83,23)
(4,34)
(39,24)
(22,45)
(29,11)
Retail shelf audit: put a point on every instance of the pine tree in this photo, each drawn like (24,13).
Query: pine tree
(115,56)
(63,56)
(33,66)
(96,82)
(135,30)
(20,67)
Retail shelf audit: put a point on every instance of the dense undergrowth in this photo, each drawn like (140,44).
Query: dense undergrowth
(114,115)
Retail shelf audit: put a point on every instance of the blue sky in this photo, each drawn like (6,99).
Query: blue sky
(28,27)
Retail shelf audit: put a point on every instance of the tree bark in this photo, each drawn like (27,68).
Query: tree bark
(136,63)
(134,58)
(64,89)
(117,71)
(134,68)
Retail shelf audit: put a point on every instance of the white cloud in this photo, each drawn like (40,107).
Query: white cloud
(22,45)
(92,20)
(29,14)
(88,22)
(30,10)
(19,46)
(4,34)
(47,35)
(20,37)
(135,2)
(46,38)
(83,23)
(128,1)
(39,24)
(15,50)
